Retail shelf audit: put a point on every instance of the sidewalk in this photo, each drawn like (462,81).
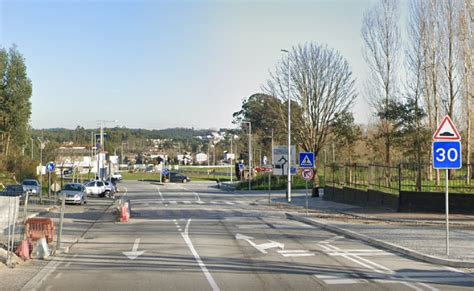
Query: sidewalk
(421,235)
(76,223)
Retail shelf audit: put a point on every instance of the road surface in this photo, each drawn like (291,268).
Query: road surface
(197,237)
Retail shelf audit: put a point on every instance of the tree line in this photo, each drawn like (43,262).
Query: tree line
(15,111)
(412,82)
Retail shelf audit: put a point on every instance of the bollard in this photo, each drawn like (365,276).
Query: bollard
(42,250)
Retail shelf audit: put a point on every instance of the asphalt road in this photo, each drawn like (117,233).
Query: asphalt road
(197,237)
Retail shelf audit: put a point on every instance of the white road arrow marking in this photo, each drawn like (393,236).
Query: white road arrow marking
(261,247)
(135,253)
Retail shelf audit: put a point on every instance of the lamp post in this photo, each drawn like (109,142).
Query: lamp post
(41,140)
(101,122)
(288,193)
(250,154)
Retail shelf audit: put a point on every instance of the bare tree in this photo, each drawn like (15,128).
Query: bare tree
(466,39)
(381,35)
(416,62)
(322,87)
(450,27)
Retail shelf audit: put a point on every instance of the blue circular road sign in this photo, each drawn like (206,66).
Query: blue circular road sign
(166,172)
(50,167)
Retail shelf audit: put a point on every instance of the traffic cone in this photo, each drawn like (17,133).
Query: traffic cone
(23,250)
(124,214)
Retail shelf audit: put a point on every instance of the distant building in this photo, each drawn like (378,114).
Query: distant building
(201,158)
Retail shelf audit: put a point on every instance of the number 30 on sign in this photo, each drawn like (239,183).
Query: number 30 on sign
(447,155)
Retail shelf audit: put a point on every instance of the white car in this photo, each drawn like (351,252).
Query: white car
(116,176)
(96,187)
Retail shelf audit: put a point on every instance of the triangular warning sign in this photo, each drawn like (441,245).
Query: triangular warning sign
(306,161)
(447,130)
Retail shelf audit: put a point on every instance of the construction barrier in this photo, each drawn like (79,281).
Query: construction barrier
(37,228)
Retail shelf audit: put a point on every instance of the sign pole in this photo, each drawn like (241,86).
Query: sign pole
(447,213)
(49,184)
(306,197)
(269,187)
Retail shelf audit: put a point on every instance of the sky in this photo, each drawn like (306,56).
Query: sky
(159,64)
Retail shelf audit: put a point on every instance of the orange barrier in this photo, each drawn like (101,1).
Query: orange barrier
(36,228)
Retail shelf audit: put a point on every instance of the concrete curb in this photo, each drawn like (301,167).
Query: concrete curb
(421,221)
(382,244)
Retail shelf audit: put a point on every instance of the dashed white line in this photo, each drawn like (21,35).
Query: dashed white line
(161,194)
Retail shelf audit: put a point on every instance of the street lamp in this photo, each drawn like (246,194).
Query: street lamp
(42,144)
(101,122)
(250,154)
(288,194)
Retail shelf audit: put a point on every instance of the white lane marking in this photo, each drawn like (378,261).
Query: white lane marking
(290,251)
(173,202)
(196,194)
(161,194)
(252,226)
(41,276)
(429,274)
(201,264)
(373,266)
(299,255)
(58,275)
(187,202)
(229,203)
(378,267)
(334,254)
(344,281)
(330,240)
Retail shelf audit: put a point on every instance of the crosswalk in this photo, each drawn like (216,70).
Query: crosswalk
(189,202)
(413,276)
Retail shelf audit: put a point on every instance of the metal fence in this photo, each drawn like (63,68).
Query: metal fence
(403,177)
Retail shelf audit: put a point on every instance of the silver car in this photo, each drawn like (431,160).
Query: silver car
(31,185)
(75,193)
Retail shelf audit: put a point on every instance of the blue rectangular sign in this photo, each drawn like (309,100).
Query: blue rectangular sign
(447,155)
(307,160)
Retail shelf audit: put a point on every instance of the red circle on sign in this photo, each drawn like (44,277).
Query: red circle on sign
(307,174)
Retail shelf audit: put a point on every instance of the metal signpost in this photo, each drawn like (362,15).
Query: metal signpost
(241,171)
(307,175)
(447,156)
(307,164)
(50,168)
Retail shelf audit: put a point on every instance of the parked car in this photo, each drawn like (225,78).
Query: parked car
(14,191)
(31,185)
(74,193)
(96,187)
(116,176)
(176,177)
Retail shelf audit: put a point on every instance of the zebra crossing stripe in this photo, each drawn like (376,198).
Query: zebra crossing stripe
(295,253)
(344,281)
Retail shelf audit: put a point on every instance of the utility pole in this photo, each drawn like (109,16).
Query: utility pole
(231,158)
(250,154)
(288,194)
(32,147)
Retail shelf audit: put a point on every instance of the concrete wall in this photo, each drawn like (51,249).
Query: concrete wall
(7,207)
(435,202)
(361,197)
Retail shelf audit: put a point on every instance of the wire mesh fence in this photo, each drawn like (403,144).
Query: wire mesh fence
(403,177)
